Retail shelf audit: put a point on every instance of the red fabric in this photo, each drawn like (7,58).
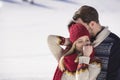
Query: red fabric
(70,65)
(69,62)
(76,31)
(58,74)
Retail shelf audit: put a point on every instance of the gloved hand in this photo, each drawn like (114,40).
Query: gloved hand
(88,51)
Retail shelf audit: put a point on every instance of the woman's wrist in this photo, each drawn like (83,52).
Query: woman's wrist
(84,59)
(64,41)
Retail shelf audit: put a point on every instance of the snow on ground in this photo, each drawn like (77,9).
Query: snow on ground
(24,54)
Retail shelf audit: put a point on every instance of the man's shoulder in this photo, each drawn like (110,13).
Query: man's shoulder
(114,36)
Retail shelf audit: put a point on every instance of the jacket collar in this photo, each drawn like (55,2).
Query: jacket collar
(101,36)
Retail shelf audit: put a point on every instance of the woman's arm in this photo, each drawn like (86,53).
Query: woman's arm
(89,65)
(54,46)
(54,42)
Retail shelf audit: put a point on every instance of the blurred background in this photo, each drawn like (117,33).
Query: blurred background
(25,25)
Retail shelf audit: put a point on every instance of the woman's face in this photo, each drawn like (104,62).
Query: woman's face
(80,42)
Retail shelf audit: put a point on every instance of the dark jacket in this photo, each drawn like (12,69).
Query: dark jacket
(109,52)
(114,59)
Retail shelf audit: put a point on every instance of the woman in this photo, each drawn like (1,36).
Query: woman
(77,61)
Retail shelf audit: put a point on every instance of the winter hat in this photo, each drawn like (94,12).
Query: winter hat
(76,31)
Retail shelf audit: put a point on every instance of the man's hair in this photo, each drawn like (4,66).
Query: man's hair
(87,14)
(70,24)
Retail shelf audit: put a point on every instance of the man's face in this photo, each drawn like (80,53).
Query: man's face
(79,20)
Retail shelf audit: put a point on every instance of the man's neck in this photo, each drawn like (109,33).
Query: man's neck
(100,28)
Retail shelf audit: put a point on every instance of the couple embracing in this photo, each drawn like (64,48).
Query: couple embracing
(92,52)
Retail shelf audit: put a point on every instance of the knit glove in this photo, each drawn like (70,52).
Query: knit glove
(88,51)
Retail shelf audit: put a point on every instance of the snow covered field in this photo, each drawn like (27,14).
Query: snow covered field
(24,54)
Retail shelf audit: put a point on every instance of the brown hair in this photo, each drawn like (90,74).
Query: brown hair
(87,14)
(70,24)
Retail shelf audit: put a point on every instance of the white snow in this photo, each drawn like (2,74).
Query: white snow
(24,53)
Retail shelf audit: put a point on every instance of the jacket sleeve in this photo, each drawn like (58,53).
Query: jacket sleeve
(88,69)
(82,72)
(113,72)
(94,68)
(54,46)
(54,43)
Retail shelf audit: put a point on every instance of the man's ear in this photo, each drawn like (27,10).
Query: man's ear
(91,24)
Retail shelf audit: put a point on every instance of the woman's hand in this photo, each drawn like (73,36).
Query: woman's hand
(61,64)
(87,50)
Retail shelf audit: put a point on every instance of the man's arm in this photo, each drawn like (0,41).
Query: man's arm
(113,72)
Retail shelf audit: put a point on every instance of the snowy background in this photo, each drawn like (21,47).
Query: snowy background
(24,27)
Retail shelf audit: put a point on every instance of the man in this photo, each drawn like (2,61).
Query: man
(106,43)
